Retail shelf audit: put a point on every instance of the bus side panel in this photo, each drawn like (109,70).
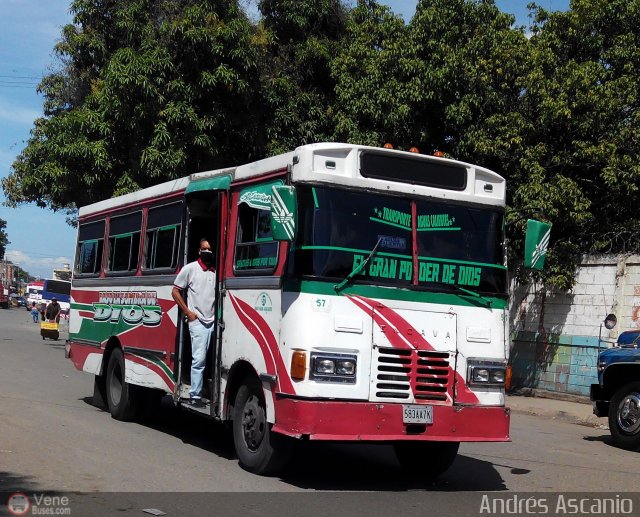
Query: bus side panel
(142,320)
(252,330)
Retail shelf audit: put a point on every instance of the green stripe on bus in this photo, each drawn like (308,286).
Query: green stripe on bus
(406,257)
(394,293)
(153,359)
(82,306)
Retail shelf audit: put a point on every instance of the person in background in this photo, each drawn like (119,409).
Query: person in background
(35,313)
(52,312)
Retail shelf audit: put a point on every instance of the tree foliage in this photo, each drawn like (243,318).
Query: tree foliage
(149,90)
(4,241)
(298,89)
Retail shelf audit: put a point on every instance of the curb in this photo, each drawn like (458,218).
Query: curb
(554,395)
(563,416)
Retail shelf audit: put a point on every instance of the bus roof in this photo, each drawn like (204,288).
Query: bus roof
(331,163)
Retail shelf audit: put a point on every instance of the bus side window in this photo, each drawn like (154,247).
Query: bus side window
(90,248)
(256,251)
(162,238)
(124,242)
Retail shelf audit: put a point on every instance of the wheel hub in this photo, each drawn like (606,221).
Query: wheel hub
(629,413)
(253,423)
(115,386)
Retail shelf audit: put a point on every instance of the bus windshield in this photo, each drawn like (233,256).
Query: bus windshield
(456,245)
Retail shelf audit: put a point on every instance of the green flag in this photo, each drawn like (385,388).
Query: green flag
(536,243)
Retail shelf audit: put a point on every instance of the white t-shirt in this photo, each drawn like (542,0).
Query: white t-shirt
(200,285)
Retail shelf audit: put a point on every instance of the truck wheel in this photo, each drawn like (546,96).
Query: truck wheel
(426,459)
(259,450)
(121,396)
(624,416)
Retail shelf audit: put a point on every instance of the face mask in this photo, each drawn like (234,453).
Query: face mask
(207,257)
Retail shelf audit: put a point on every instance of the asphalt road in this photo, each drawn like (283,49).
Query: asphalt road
(53,440)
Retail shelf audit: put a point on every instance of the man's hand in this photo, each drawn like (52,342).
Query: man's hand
(191,316)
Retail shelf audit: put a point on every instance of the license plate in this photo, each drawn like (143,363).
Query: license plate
(413,414)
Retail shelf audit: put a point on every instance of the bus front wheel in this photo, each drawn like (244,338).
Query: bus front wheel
(426,459)
(121,396)
(259,450)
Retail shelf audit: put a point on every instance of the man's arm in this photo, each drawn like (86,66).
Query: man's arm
(176,293)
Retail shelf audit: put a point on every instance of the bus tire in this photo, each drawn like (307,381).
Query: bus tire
(259,450)
(426,459)
(121,396)
(624,416)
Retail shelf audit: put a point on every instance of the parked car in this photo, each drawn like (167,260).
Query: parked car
(18,301)
(617,394)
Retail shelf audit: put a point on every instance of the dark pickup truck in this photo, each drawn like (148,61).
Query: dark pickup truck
(617,394)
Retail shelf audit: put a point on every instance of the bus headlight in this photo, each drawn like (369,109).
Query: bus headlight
(333,367)
(486,372)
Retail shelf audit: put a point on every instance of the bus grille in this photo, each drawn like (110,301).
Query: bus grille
(412,375)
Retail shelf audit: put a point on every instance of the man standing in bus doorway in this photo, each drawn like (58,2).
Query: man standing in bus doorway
(198,278)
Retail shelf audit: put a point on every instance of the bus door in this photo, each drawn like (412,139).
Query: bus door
(206,216)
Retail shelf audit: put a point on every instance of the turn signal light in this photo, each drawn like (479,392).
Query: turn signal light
(388,146)
(439,154)
(507,382)
(298,365)
(414,150)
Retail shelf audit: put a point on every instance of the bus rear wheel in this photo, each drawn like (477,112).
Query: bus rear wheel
(259,450)
(426,459)
(121,396)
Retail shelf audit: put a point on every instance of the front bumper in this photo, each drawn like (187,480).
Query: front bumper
(368,421)
(600,400)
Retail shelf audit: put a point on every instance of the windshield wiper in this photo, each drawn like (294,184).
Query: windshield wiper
(467,292)
(358,268)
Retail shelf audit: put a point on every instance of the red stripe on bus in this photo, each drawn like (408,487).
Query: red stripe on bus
(154,367)
(263,334)
(415,338)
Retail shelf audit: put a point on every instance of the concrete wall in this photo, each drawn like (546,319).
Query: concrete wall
(556,336)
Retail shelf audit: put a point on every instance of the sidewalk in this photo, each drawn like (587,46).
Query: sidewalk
(576,411)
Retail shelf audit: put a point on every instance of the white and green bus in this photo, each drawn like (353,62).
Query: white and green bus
(362,296)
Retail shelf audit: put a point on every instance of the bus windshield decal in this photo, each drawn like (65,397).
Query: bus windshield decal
(428,272)
(426,222)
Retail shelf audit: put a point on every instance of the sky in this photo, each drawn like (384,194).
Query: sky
(40,239)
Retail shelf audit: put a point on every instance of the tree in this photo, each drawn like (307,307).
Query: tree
(298,90)
(4,241)
(376,79)
(149,90)
(580,158)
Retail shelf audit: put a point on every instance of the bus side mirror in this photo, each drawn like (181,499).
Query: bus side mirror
(536,243)
(284,213)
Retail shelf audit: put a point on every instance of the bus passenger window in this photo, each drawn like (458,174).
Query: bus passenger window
(163,237)
(255,248)
(90,247)
(124,242)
